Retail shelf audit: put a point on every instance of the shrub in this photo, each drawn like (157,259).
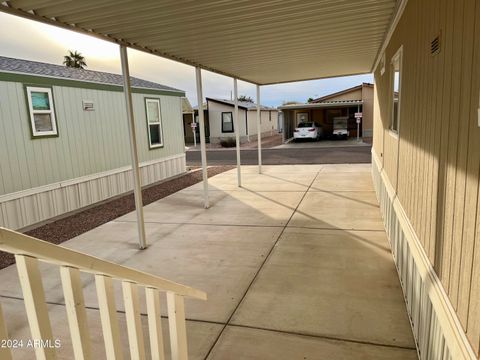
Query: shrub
(228,142)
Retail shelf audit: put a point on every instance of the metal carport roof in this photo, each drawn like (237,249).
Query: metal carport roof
(263,42)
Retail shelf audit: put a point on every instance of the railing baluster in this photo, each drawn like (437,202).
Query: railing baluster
(134,322)
(76,314)
(108,316)
(35,305)
(5,353)
(155,323)
(177,326)
(29,251)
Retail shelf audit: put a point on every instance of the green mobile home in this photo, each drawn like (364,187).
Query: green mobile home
(64,138)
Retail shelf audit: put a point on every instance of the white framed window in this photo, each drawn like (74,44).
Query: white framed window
(42,111)
(154,123)
(396,89)
(227,122)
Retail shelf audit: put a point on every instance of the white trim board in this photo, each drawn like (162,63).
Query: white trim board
(396,19)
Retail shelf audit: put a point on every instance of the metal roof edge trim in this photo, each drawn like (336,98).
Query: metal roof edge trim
(316,78)
(59,81)
(319,105)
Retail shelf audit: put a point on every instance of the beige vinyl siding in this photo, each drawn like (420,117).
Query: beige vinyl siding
(367,110)
(439,150)
(89,142)
(351,95)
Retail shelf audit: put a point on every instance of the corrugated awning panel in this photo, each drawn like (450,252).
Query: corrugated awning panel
(263,42)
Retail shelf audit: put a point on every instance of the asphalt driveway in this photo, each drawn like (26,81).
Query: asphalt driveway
(286,156)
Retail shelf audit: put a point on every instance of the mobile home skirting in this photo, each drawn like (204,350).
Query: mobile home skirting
(24,208)
(435,325)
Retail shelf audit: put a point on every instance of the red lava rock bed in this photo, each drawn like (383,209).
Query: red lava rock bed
(67,228)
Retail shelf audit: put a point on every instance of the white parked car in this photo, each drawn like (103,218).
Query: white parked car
(308,130)
(340,127)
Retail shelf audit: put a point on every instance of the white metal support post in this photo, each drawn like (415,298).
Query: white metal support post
(137,185)
(259,131)
(203,150)
(194,130)
(237,131)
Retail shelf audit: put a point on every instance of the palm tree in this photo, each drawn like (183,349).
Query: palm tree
(245,98)
(74,60)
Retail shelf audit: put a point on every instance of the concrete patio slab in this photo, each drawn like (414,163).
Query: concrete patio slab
(330,283)
(261,208)
(342,181)
(179,207)
(350,210)
(201,335)
(257,208)
(246,343)
(260,182)
(205,257)
(355,168)
(113,241)
(194,255)
(282,169)
(292,291)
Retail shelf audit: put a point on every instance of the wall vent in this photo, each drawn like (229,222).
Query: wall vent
(88,105)
(435,45)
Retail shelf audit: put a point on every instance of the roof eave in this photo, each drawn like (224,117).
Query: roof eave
(320,105)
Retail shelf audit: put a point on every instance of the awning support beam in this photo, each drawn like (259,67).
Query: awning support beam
(137,184)
(203,150)
(259,131)
(237,132)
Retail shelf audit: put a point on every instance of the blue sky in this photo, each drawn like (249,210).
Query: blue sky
(27,39)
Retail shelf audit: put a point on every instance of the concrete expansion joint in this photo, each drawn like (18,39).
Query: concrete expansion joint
(261,266)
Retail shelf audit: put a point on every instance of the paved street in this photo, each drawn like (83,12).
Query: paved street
(300,155)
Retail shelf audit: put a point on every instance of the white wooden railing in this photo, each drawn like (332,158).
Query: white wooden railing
(29,251)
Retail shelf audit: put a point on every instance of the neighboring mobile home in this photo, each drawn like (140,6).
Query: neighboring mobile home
(188,114)
(64,138)
(221,122)
(340,105)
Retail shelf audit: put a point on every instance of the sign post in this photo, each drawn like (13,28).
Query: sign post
(194,130)
(358,117)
